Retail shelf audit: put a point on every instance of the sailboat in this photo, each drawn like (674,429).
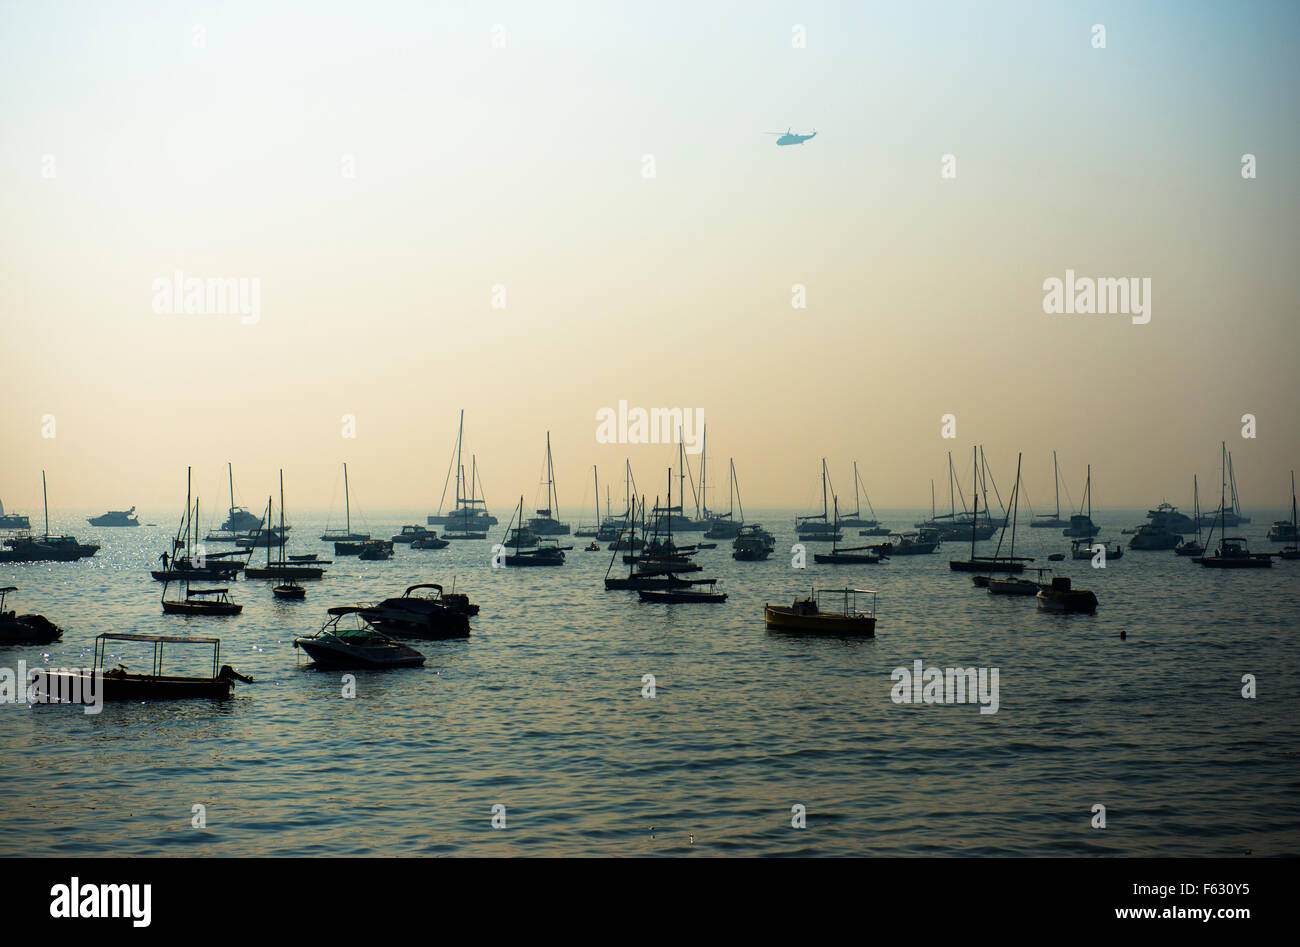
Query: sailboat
(469,519)
(211,566)
(1231,516)
(1232,552)
(1081,547)
(345,535)
(987,564)
(590,532)
(286,567)
(199,601)
(546,522)
(817,527)
(27,548)
(1291,552)
(1044,521)
(645,574)
(852,555)
(960,526)
(1081,524)
(239,523)
(1011,586)
(1193,547)
(725,525)
(543,552)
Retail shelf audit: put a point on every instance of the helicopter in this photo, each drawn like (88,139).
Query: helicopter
(789,138)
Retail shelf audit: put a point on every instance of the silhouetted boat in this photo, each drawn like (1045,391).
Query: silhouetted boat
(13,520)
(855,519)
(289,591)
(1229,514)
(115,518)
(1043,521)
(912,543)
(1232,552)
(433,541)
(200,602)
(285,567)
(725,525)
(1291,552)
(239,521)
(852,556)
(682,596)
(25,629)
(27,548)
(344,535)
(753,544)
(953,526)
(431,616)
(1150,537)
(545,523)
(817,527)
(355,644)
(469,517)
(181,566)
(376,550)
(985,564)
(122,684)
(410,534)
(548,554)
(1193,547)
(1060,597)
(807,616)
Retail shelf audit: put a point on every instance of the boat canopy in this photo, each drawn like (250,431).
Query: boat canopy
(423,585)
(162,639)
(348,609)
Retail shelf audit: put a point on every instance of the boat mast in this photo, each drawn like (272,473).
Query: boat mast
(596,478)
(282,537)
(188,495)
(347,501)
(1015,507)
(268,532)
(1056,477)
(1223,461)
(460,470)
(731,491)
(952,497)
(1196,508)
(230,472)
(46,498)
(702,501)
(975,472)
(825,509)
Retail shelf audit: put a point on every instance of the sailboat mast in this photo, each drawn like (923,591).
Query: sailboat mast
(595,476)
(952,497)
(975,472)
(347,500)
(1015,507)
(230,472)
(45,497)
(188,496)
(1056,478)
(460,470)
(702,501)
(825,509)
(1196,507)
(282,537)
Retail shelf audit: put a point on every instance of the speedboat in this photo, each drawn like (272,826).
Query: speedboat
(355,643)
(1153,536)
(432,616)
(25,629)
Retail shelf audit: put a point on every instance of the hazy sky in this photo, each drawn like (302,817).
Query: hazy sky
(137,139)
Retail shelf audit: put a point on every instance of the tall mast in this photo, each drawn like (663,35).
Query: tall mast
(703,499)
(952,497)
(282,516)
(1056,478)
(46,497)
(230,471)
(975,469)
(731,491)
(1223,466)
(268,532)
(825,509)
(681,477)
(347,500)
(1015,506)
(1196,507)
(188,496)
(460,471)
(931,499)
(596,479)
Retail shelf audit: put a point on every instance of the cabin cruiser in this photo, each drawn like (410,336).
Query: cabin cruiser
(347,640)
(917,543)
(436,615)
(27,548)
(1152,536)
(13,520)
(1166,517)
(1060,597)
(410,534)
(1282,531)
(115,518)
(753,544)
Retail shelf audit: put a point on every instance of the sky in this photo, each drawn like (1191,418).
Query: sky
(386,172)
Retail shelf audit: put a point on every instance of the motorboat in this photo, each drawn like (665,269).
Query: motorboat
(1059,596)
(432,616)
(807,616)
(115,518)
(348,641)
(25,629)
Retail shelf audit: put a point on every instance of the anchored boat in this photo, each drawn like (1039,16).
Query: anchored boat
(27,548)
(121,684)
(1060,597)
(433,616)
(355,644)
(115,518)
(807,615)
(25,629)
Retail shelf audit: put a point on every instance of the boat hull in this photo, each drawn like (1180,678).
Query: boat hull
(120,686)
(787,619)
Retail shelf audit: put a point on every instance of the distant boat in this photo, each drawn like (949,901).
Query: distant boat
(541,553)
(853,555)
(817,527)
(1285,531)
(344,535)
(1232,552)
(807,616)
(238,519)
(25,629)
(1082,546)
(1081,524)
(200,602)
(1166,517)
(965,525)
(115,518)
(375,550)
(546,523)
(855,519)
(284,568)
(13,520)
(726,525)
(1015,585)
(592,531)
(1193,547)
(469,515)
(1150,537)
(682,596)
(985,564)
(355,644)
(753,544)
(180,565)
(410,534)
(912,543)
(431,541)
(1230,515)
(289,590)
(1043,521)
(47,548)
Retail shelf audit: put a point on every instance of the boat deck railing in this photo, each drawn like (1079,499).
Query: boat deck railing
(158,641)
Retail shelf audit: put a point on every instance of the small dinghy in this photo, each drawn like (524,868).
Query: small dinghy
(25,629)
(290,591)
(1060,597)
(355,643)
(807,616)
(592,546)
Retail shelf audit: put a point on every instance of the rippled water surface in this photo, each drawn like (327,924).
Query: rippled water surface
(541,711)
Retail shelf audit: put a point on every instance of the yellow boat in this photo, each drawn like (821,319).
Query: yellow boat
(806,615)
